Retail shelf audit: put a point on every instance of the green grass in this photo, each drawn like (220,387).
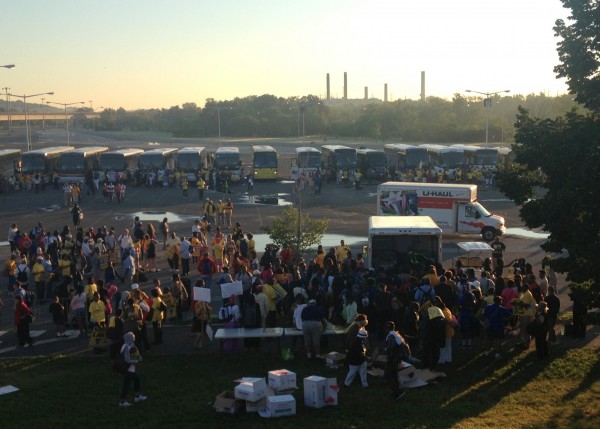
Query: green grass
(516,391)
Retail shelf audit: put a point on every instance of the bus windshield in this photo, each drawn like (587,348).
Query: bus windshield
(487,157)
(452,159)
(417,158)
(189,161)
(113,161)
(227,160)
(346,158)
(152,161)
(309,160)
(376,160)
(32,164)
(72,164)
(265,160)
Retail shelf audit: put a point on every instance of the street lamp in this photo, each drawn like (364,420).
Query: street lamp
(66,117)
(25,97)
(302,109)
(487,102)
(219,119)
(8,110)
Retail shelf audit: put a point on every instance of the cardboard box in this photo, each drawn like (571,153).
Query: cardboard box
(331,393)
(251,389)
(335,359)
(225,402)
(314,391)
(254,407)
(282,405)
(406,372)
(282,379)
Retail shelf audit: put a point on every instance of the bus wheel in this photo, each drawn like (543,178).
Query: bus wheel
(488,234)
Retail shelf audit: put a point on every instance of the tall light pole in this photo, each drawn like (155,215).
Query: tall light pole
(25,97)
(487,103)
(8,110)
(66,117)
(43,117)
(93,121)
(219,119)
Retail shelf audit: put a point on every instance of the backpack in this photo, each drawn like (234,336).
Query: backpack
(243,247)
(22,275)
(250,316)
(426,296)
(206,266)
(224,314)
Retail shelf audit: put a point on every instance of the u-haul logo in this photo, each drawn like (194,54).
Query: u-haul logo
(447,194)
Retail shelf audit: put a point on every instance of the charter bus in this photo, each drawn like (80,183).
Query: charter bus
(191,162)
(157,159)
(336,158)
(43,161)
(264,162)
(372,165)
(74,165)
(306,163)
(227,160)
(117,163)
(445,158)
(9,162)
(403,157)
(480,157)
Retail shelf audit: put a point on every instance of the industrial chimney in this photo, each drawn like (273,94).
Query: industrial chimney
(345,86)
(366,92)
(422,86)
(385,99)
(328,93)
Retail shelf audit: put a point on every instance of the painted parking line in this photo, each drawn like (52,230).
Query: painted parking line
(40,343)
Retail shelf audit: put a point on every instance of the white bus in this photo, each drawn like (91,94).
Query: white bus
(43,162)
(338,158)
(75,164)
(191,162)
(480,157)
(445,158)
(403,157)
(157,159)
(118,163)
(307,162)
(227,161)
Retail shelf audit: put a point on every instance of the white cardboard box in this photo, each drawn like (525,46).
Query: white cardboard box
(251,389)
(314,391)
(226,403)
(282,379)
(282,405)
(331,393)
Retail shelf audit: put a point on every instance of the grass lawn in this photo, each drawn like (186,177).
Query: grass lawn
(515,391)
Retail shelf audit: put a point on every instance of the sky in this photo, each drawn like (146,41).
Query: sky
(158,54)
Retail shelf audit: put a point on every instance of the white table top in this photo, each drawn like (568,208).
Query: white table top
(248,333)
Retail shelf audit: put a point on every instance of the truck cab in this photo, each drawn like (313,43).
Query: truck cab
(473,218)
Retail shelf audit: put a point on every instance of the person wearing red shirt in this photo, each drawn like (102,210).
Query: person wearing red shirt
(22,320)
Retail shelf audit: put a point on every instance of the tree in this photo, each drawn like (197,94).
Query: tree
(555,178)
(579,51)
(297,230)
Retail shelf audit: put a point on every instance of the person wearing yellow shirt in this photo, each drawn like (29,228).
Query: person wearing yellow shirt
(10,270)
(341,252)
(220,213)
(217,251)
(158,314)
(184,187)
(228,212)
(64,265)
(271,295)
(434,279)
(201,185)
(173,244)
(97,310)
(320,257)
(530,306)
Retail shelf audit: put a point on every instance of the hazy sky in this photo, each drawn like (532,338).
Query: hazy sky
(150,53)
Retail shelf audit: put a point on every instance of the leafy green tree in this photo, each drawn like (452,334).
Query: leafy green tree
(296,229)
(579,51)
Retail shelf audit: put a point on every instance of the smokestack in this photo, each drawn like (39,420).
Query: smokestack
(328,93)
(422,86)
(385,99)
(366,92)
(345,86)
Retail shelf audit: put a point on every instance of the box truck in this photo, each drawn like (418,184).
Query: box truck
(396,241)
(453,207)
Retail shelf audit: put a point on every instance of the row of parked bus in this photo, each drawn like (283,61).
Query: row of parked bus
(72,165)
(397,158)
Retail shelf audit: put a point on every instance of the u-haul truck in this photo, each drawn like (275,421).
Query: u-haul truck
(403,241)
(453,207)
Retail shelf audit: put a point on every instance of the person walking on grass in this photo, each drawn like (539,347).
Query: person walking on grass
(131,356)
